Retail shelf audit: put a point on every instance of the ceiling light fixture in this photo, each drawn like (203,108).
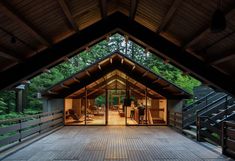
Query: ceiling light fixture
(218,21)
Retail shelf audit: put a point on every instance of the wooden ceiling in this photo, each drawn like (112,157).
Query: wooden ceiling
(36,34)
(115,69)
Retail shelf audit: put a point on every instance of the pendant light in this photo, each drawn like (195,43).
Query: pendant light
(218,22)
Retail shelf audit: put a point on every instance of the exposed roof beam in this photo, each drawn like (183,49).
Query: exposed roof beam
(111,60)
(205,30)
(122,60)
(103,8)
(21,21)
(184,60)
(145,73)
(41,60)
(133,68)
(88,73)
(51,92)
(99,67)
(6,53)
(155,81)
(76,79)
(64,86)
(134,4)
(222,57)
(67,12)
(167,86)
(169,15)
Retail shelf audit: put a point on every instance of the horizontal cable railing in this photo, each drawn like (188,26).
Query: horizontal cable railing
(14,130)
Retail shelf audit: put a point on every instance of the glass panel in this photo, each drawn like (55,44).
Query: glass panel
(136,108)
(96,107)
(116,113)
(157,112)
(74,111)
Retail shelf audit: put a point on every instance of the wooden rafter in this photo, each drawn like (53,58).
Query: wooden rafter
(6,53)
(103,8)
(223,57)
(134,4)
(67,12)
(169,15)
(205,30)
(21,21)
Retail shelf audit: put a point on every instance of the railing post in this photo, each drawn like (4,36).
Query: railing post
(40,123)
(198,123)
(174,119)
(226,107)
(20,130)
(223,137)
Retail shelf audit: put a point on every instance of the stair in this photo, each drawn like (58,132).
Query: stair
(212,110)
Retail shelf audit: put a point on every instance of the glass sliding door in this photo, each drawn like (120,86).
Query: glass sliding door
(96,107)
(116,108)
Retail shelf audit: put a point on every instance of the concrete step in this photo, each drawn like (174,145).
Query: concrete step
(214,114)
(190,133)
(193,127)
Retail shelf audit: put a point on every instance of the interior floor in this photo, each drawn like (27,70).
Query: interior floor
(114,118)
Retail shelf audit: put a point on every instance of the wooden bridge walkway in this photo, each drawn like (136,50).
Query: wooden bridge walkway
(119,143)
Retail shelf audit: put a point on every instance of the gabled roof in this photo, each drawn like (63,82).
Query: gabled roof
(116,67)
(208,58)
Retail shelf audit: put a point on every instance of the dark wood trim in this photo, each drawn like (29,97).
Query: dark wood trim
(15,16)
(205,30)
(158,45)
(103,8)
(182,59)
(223,57)
(134,5)
(76,42)
(170,14)
(65,8)
(6,53)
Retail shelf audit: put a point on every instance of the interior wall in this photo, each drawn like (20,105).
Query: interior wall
(163,109)
(68,104)
(50,105)
(76,106)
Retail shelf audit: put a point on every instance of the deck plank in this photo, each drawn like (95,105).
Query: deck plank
(109,143)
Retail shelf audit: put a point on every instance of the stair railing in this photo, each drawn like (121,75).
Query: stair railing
(200,119)
(205,98)
(207,106)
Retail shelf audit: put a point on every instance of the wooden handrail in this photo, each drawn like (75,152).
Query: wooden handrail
(29,116)
(18,129)
(228,138)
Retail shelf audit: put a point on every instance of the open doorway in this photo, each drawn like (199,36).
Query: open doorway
(116,109)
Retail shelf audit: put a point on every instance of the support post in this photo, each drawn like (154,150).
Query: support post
(85,104)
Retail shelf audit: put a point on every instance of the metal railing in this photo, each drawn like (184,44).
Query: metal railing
(189,120)
(228,138)
(14,130)
(205,98)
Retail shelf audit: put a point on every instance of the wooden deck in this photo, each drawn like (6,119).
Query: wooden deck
(98,143)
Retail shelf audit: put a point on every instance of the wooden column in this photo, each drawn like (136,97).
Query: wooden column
(19,102)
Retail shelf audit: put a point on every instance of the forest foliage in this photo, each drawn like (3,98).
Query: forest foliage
(85,58)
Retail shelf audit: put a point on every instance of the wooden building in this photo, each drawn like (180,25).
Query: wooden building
(114,77)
